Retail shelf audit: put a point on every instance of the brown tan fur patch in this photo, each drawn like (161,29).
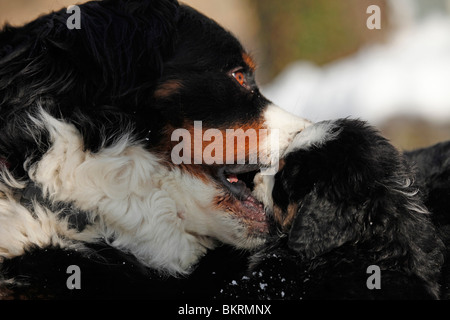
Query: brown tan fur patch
(240,143)
(249,61)
(284,219)
(166,89)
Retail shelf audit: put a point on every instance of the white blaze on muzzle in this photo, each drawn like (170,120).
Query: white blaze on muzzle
(282,127)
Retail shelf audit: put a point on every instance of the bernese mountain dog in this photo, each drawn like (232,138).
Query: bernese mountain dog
(352,222)
(89,121)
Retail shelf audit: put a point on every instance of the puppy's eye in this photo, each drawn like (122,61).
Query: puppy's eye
(240,78)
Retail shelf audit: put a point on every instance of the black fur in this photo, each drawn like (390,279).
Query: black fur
(108,273)
(357,206)
(432,166)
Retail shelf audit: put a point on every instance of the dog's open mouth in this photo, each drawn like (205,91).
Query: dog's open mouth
(238,181)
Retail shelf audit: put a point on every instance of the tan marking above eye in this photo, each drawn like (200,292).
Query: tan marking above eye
(167,88)
(249,61)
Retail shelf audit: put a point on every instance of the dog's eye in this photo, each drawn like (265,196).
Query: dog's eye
(240,78)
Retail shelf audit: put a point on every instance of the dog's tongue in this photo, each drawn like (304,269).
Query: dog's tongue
(232,178)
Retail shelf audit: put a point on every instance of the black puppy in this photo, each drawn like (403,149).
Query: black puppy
(353,222)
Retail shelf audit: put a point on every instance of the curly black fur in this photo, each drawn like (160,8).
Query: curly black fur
(432,166)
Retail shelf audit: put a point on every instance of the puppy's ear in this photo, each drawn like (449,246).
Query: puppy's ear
(320,226)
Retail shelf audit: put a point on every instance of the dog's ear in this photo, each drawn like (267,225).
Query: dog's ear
(119,45)
(129,37)
(320,226)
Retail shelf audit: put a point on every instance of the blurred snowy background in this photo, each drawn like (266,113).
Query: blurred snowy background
(318,59)
(401,84)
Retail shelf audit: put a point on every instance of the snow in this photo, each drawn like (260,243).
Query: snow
(408,74)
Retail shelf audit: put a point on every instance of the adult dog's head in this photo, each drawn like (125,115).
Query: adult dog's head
(343,185)
(140,121)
